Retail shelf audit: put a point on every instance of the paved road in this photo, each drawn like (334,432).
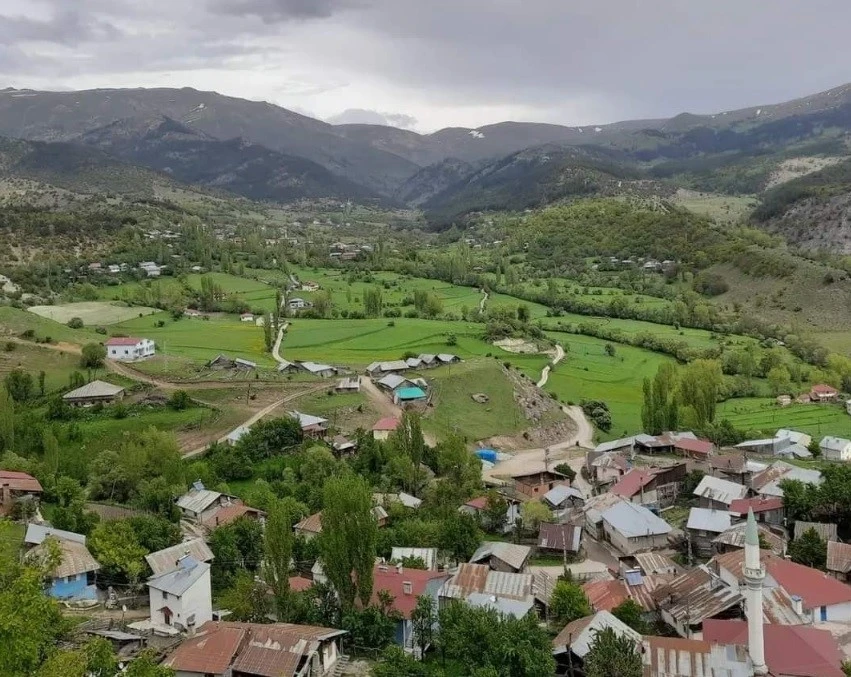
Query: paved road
(545,373)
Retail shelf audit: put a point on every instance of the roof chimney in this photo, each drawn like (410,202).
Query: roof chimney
(408,587)
(399,568)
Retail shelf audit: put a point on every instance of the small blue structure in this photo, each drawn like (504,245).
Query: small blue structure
(488,455)
(409,394)
(74,577)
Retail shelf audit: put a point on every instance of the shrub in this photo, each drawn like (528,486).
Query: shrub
(75,323)
(179,400)
(10,346)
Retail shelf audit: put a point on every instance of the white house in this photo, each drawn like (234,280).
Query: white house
(182,598)
(633,528)
(128,348)
(835,448)
(297,303)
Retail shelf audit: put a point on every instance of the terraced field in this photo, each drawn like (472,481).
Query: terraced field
(763,414)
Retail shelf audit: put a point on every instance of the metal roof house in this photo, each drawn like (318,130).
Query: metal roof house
(409,395)
(37,533)
(633,528)
(316,369)
(74,577)
(717,493)
(704,525)
(501,556)
(182,597)
(96,392)
(168,559)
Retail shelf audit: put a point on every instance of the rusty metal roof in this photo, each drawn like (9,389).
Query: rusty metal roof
(655,563)
(679,657)
(695,596)
(838,557)
(734,537)
(478,578)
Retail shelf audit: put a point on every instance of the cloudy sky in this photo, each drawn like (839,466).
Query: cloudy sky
(427,64)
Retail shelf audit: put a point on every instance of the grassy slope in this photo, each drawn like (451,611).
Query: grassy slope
(15,321)
(455,410)
(57,367)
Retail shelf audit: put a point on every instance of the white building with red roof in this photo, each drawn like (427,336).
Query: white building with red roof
(383,427)
(129,348)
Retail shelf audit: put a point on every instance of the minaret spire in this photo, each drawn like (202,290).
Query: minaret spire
(754,574)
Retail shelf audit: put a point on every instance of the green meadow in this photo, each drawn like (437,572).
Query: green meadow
(763,414)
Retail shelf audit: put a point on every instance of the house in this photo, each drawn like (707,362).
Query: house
(703,526)
(403,499)
(413,362)
(839,559)
(816,597)
(593,510)
(427,555)
(681,657)
(790,651)
(114,269)
(716,493)
(695,596)
(559,538)
(608,468)
(696,449)
(236,435)
(311,426)
(73,578)
(767,482)
(390,382)
(37,533)
(826,532)
(200,503)
(573,643)
(311,526)
(734,539)
(794,436)
(287,367)
(247,365)
(625,444)
(766,509)
(310,286)
(348,385)
(230,649)
(638,486)
(427,361)
(501,556)
(96,392)
(246,317)
(538,483)
(632,528)
(406,585)
(512,593)
(182,597)
(168,559)
(17,486)
(129,348)
(297,303)
(320,370)
(835,448)
(561,498)
(386,367)
(477,506)
(823,393)
(382,429)
(343,445)
(445,358)
(192,313)
(410,395)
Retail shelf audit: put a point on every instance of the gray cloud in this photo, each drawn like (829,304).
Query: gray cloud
(272,11)
(361,116)
(444,60)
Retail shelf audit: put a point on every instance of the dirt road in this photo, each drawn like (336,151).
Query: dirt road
(484,300)
(545,372)
(276,349)
(386,407)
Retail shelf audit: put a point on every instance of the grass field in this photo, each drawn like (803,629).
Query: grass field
(92,313)
(11,539)
(345,411)
(763,414)
(359,342)
(455,410)
(15,321)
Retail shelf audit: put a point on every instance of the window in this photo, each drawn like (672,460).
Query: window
(70,579)
(165,595)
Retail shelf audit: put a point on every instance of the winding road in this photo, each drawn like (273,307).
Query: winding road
(545,372)
(484,300)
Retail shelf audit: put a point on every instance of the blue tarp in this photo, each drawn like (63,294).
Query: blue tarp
(487,455)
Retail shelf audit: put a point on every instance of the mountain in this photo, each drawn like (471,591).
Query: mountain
(236,165)
(433,180)
(67,116)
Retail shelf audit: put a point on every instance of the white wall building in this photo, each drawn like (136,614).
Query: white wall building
(835,448)
(128,348)
(182,598)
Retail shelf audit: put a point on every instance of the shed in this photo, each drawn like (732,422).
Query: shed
(559,537)
(826,531)
(411,394)
(96,392)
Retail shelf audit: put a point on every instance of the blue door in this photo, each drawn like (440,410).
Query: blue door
(823,614)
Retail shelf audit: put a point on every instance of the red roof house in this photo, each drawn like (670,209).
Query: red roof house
(823,393)
(740,506)
(20,481)
(123,341)
(479,503)
(790,650)
(694,448)
(631,484)
(386,424)
(405,585)
(300,583)
(210,652)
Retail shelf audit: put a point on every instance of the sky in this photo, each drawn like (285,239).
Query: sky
(428,64)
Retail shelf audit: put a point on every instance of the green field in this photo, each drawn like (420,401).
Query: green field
(16,321)
(91,312)
(455,410)
(588,373)
(763,414)
(57,366)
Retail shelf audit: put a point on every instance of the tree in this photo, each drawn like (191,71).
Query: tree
(95,659)
(270,438)
(459,536)
(660,407)
(30,621)
(372,302)
(700,385)
(278,546)
(7,420)
(423,621)
(523,313)
(809,549)
(533,513)
(146,665)
(247,599)
(566,470)
(609,349)
(613,655)
(19,384)
(75,323)
(179,400)
(93,356)
(268,339)
(348,538)
(394,662)
(631,613)
(779,380)
(568,602)
(495,513)
(115,546)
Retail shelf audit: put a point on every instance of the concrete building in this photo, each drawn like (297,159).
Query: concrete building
(633,528)
(766,509)
(129,348)
(182,597)
(703,527)
(718,494)
(835,448)
(74,577)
